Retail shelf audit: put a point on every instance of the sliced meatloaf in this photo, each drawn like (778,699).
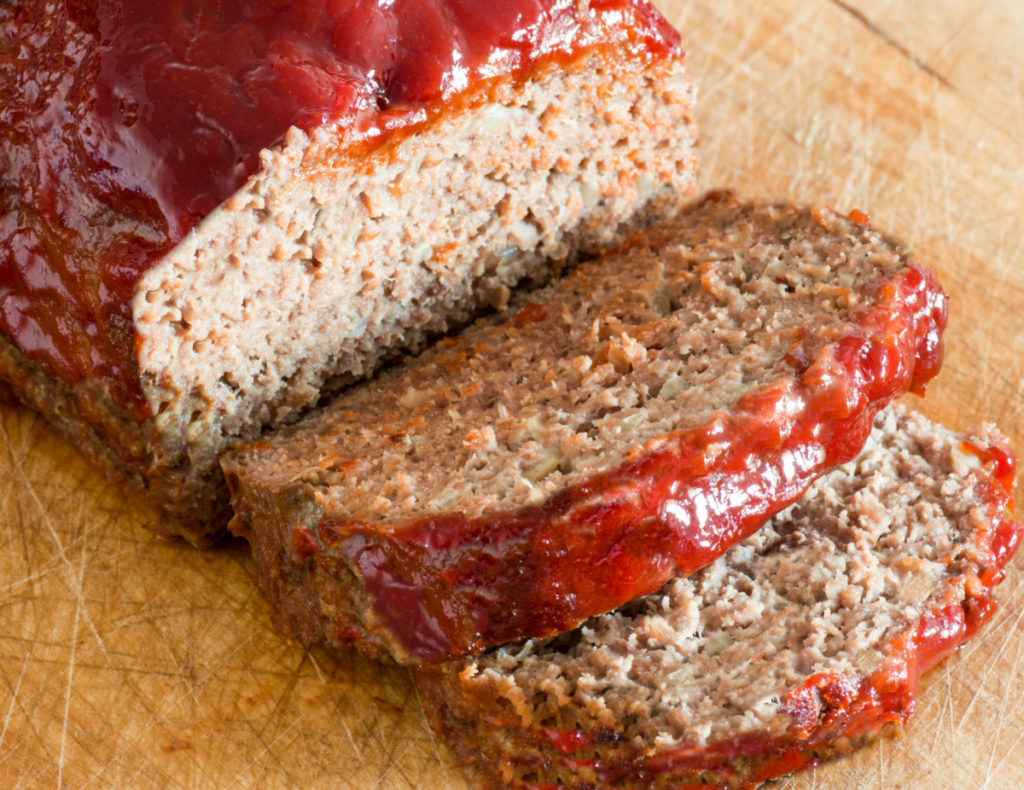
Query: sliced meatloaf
(801,643)
(621,427)
(213,213)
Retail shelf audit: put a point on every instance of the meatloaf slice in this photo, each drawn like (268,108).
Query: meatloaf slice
(802,642)
(621,427)
(213,213)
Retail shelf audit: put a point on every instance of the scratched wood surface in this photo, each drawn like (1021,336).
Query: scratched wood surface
(129,661)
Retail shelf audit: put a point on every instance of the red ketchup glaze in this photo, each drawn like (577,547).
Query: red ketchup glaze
(568,741)
(123,124)
(448,586)
(1003,457)
(826,707)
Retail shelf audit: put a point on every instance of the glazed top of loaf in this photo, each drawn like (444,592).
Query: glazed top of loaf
(123,124)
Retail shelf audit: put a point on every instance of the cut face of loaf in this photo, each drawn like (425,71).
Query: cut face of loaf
(621,427)
(334,256)
(802,642)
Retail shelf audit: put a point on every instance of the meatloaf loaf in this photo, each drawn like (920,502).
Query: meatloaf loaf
(799,644)
(621,427)
(213,213)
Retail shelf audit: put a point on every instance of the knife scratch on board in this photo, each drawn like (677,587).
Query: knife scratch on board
(71,674)
(69,572)
(895,43)
(15,695)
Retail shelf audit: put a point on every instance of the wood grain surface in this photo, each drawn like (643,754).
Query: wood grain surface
(131,661)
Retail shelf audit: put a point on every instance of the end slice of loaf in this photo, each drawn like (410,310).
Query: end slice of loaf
(800,643)
(621,427)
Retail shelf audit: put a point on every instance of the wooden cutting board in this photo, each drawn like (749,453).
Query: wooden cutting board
(130,661)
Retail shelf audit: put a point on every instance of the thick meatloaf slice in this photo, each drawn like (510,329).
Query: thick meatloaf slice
(211,214)
(799,644)
(621,427)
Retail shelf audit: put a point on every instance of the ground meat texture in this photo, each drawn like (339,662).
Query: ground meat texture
(621,427)
(211,215)
(803,641)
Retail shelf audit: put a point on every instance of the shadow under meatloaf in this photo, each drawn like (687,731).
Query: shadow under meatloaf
(203,236)
(800,644)
(622,427)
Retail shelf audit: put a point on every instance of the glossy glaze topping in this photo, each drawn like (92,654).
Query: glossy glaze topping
(449,585)
(123,124)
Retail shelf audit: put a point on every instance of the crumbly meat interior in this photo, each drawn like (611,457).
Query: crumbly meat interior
(821,589)
(620,352)
(326,264)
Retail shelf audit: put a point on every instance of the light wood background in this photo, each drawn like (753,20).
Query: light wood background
(130,661)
